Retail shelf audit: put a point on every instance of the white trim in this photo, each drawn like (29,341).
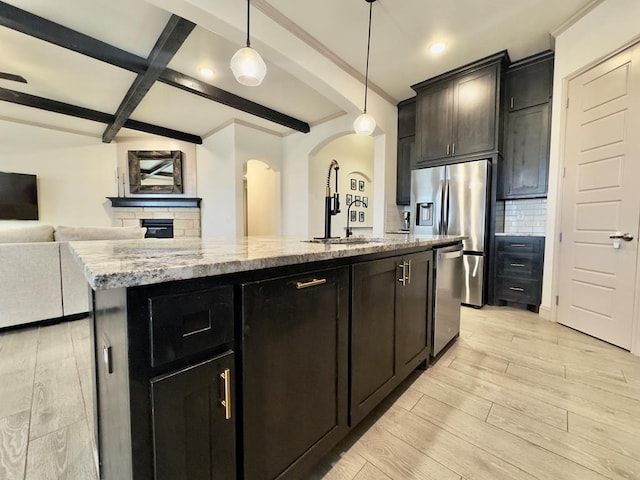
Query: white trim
(286,23)
(545,312)
(575,18)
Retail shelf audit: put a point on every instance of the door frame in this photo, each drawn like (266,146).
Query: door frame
(555,280)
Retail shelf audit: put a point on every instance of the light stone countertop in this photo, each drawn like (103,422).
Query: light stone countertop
(126,263)
(502,234)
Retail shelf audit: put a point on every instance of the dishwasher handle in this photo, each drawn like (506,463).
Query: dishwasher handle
(449,255)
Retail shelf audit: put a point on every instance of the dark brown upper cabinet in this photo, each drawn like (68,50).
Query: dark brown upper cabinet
(406,149)
(529,81)
(524,170)
(457,113)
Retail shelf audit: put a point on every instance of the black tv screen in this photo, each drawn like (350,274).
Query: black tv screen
(18,196)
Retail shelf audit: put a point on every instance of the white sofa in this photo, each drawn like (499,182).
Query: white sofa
(39,278)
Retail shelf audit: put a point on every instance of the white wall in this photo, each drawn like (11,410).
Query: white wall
(610,26)
(220,164)
(75,173)
(354,154)
(189,169)
(263,199)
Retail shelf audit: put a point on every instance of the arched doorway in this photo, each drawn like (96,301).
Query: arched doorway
(262,199)
(354,154)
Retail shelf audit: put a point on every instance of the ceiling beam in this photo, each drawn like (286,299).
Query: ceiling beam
(170,40)
(39,27)
(55,106)
(205,90)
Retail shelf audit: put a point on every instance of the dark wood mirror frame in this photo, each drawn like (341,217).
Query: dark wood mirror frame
(137,174)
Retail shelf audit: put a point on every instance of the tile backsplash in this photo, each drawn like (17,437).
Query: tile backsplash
(526,216)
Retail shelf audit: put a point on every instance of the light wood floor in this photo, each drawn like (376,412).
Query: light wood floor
(515,398)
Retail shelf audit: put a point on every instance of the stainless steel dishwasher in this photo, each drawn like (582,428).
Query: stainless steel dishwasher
(447,296)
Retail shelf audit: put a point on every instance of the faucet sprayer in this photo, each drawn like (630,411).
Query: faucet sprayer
(331,203)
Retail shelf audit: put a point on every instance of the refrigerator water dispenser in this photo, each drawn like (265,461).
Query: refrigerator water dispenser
(424,214)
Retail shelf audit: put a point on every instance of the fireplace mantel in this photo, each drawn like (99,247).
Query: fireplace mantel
(155,202)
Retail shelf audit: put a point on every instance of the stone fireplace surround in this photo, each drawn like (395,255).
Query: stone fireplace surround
(185,212)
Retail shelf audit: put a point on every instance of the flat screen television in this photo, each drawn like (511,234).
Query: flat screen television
(18,196)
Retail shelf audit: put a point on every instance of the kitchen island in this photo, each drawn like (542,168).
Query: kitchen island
(249,358)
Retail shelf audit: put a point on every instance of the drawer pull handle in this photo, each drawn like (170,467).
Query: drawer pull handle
(518,265)
(312,283)
(516,289)
(518,244)
(226,402)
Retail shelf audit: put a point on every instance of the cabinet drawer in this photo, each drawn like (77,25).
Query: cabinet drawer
(518,290)
(517,244)
(188,323)
(527,265)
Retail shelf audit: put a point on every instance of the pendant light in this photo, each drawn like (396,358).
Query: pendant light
(365,124)
(247,64)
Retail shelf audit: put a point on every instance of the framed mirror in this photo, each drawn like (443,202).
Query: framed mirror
(155,171)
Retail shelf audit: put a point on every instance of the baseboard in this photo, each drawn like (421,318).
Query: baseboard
(546,313)
(44,323)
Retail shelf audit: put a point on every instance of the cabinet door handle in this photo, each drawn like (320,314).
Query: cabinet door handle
(518,244)
(453,149)
(403,276)
(312,283)
(518,265)
(409,274)
(516,289)
(448,149)
(511,104)
(226,401)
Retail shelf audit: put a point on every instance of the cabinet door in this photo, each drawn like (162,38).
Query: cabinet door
(407,118)
(193,433)
(529,85)
(295,333)
(434,110)
(474,112)
(412,312)
(406,152)
(526,156)
(373,327)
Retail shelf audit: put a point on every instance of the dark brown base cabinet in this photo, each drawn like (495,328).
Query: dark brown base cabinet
(518,276)
(166,373)
(193,432)
(389,326)
(295,371)
(254,375)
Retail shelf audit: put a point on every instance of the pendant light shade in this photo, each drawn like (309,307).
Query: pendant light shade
(247,64)
(248,67)
(365,124)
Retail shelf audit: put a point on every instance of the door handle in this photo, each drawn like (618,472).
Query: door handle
(226,402)
(627,237)
(403,276)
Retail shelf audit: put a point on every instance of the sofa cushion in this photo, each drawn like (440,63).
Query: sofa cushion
(27,234)
(68,234)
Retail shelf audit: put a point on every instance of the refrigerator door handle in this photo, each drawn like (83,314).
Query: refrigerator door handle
(441,201)
(446,208)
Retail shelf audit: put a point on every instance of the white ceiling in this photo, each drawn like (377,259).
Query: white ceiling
(401,33)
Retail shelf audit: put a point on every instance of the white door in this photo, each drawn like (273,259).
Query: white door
(601,196)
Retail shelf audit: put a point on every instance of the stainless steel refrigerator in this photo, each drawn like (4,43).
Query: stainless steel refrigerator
(454,200)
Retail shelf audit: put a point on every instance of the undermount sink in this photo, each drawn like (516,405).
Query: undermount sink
(345,241)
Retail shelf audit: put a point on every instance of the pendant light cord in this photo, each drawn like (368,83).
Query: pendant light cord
(366,75)
(248,7)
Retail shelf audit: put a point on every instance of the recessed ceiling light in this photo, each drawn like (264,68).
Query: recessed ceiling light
(437,47)
(207,72)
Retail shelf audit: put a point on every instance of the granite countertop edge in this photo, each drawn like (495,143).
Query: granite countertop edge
(113,264)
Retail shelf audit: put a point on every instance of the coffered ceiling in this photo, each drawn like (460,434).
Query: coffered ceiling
(401,33)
